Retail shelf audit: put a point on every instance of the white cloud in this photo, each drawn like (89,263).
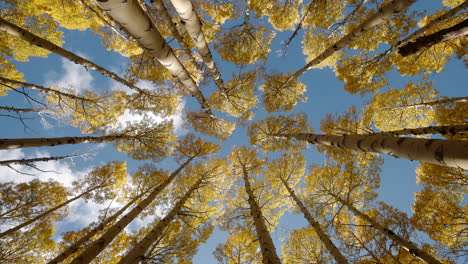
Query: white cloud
(72,75)
(61,171)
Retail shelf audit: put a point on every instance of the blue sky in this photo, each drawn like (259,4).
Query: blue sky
(325,95)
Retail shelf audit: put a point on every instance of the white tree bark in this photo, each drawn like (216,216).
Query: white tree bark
(193,25)
(131,16)
(97,246)
(452,153)
(443,130)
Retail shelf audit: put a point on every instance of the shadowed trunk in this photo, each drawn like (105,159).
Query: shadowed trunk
(100,244)
(138,252)
(324,238)
(266,243)
(13,143)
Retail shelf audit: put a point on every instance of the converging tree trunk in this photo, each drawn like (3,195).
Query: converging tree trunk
(77,245)
(164,15)
(46,213)
(12,143)
(324,238)
(452,153)
(384,13)
(11,83)
(138,252)
(442,130)
(453,32)
(130,15)
(100,244)
(413,249)
(266,243)
(33,160)
(33,39)
(193,25)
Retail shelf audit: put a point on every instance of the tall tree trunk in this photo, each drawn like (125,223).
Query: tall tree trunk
(164,15)
(28,161)
(456,31)
(442,130)
(137,23)
(452,153)
(138,252)
(9,82)
(77,245)
(266,243)
(33,39)
(438,102)
(384,13)
(334,251)
(96,247)
(23,110)
(12,143)
(413,249)
(193,25)
(46,213)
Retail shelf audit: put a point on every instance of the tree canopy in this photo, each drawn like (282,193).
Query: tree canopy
(242,132)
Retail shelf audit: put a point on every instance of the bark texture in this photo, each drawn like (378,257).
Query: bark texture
(452,153)
(33,39)
(193,25)
(51,210)
(164,15)
(12,143)
(23,110)
(96,247)
(324,238)
(384,13)
(456,31)
(266,243)
(132,17)
(76,246)
(137,254)
(442,130)
(413,249)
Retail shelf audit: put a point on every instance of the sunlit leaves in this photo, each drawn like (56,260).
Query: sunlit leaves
(270,133)
(315,42)
(213,126)
(303,246)
(244,44)
(240,247)
(282,92)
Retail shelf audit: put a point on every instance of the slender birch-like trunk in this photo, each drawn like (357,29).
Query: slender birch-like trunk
(453,32)
(438,102)
(324,238)
(442,130)
(164,15)
(137,254)
(97,246)
(412,249)
(130,15)
(452,153)
(33,39)
(13,143)
(28,161)
(23,110)
(8,82)
(77,245)
(51,210)
(266,243)
(384,13)
(193,25)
